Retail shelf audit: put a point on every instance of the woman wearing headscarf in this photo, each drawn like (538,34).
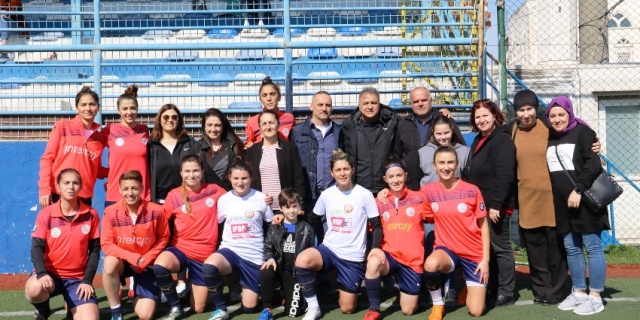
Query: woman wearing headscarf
(545,250)
(569,154)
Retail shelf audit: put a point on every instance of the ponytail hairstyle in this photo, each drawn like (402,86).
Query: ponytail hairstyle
(268,82)
(240,164)
(84,91)
(338,155)
(131,93)
(183,188)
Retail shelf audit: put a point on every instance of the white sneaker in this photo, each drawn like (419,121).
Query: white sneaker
(219,315)
(591,305)
(312,314)
(572,301)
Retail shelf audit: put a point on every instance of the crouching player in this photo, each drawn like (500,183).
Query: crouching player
(282,245)
(134,232)
(65,251)
(402,249)
(462,234)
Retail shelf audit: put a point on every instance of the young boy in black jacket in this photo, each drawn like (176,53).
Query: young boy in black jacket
(282,244)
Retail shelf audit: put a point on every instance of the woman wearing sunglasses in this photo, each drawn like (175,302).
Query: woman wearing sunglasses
(169,143)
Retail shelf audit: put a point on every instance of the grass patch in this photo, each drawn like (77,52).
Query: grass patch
(622,254)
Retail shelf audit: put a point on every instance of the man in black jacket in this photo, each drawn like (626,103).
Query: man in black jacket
(412,133)
(367,136)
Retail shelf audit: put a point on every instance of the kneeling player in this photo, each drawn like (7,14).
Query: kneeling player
(462,234)
(402,248)
(65,252)
(134,232)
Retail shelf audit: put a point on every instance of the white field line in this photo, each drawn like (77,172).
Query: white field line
(384,305)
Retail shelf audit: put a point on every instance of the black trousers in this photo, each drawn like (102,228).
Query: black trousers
(502,265)
(547,261)
(294,303)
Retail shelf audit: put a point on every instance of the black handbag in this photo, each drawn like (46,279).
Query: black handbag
(602,192)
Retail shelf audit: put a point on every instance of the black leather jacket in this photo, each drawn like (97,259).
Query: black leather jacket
(274,241)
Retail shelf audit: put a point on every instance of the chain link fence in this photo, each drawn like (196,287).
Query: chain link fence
(588,50)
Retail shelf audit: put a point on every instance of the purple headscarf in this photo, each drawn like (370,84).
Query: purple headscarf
(564,103)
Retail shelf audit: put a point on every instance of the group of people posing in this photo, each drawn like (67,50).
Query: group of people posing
(376,198)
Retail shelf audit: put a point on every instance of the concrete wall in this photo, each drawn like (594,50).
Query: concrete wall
(19,167)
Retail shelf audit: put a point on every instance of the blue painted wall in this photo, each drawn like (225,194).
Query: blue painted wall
(19,168)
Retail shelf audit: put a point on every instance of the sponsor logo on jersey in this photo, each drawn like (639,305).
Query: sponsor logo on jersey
(406,227)
(80,150)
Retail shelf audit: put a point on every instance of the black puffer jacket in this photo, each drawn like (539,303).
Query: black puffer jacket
(375,155)
(274,241)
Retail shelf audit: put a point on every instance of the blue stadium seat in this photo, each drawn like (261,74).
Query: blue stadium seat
(353,31)
(295,32)
(279,78)
(245,105)
(395,103)
(365,76)
(216,80)
(222,33)
(322,53)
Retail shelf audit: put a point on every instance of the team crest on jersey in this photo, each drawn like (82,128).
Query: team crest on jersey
(386,216)
(249,214)
(144,140)
(462,207)
(184,208)
(411,212)
(210,202)
(285,131)
(435,207)
(481,206)
(119,142)
(348,208)
(35,228)
(55,232)
(85,229)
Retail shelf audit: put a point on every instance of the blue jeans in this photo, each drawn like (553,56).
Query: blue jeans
(574,242)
